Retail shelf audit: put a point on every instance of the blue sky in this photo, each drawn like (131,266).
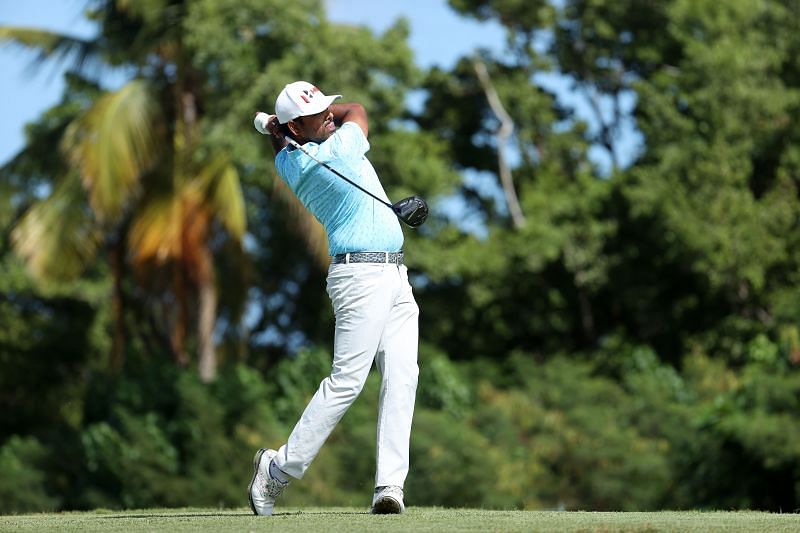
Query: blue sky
(438,37)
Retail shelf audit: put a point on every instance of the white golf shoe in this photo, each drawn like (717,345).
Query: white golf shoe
(388,500)
(264,489)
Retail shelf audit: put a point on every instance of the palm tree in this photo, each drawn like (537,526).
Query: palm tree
(134,186)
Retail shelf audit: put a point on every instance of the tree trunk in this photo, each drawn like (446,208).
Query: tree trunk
(178,333)
(503,134)
(587,319)
(117,306)
(207,364)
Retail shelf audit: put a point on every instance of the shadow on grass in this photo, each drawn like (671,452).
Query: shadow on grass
(322,513)
(231,514)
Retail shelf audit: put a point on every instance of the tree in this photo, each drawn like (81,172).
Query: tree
(720,174)
(692,243)
(132,175)
(522,287)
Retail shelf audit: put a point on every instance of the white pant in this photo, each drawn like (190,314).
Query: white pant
(376,319)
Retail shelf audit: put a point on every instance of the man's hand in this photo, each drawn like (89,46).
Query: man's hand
(267,124)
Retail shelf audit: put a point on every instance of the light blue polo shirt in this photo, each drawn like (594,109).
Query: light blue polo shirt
(353,221)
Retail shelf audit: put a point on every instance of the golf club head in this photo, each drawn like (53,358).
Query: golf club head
(412,210)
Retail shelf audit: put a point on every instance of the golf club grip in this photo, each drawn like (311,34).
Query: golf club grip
(345,178)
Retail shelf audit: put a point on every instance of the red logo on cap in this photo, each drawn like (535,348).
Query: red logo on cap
(309,94)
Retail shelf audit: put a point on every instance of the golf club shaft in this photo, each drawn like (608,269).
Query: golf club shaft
(348,180)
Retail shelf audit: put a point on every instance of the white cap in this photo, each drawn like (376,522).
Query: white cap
(299,99)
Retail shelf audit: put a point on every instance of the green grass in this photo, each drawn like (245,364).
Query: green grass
(338,520)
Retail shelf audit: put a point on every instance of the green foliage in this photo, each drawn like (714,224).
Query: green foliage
(568,439)
(452,463)
(131,463)
(296,380)
(24,485)
(715,170)
(172,439)
(747,456)
(34,326)
(442,384)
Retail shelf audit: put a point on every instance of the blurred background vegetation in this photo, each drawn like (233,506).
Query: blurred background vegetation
(608,337)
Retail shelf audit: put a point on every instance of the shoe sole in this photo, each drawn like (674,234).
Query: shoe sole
(386,505)
(256,461)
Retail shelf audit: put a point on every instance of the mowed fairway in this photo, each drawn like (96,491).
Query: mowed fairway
(415,519)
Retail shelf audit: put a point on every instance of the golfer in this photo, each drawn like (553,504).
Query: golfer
(376,315)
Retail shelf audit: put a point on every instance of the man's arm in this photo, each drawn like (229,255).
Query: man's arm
(351,113)
(279,142)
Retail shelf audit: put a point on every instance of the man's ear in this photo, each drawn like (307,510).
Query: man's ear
(294,128)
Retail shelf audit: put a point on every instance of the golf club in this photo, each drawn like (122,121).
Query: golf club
(412,210)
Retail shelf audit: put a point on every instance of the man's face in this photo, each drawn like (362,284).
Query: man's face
(315,128)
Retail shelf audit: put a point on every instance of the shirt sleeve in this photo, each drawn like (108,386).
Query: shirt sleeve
(348,143)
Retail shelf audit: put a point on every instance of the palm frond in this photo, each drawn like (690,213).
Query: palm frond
(229,202)
(50,45)
(55,237)
(113,144)
(155,234)
(219,182)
